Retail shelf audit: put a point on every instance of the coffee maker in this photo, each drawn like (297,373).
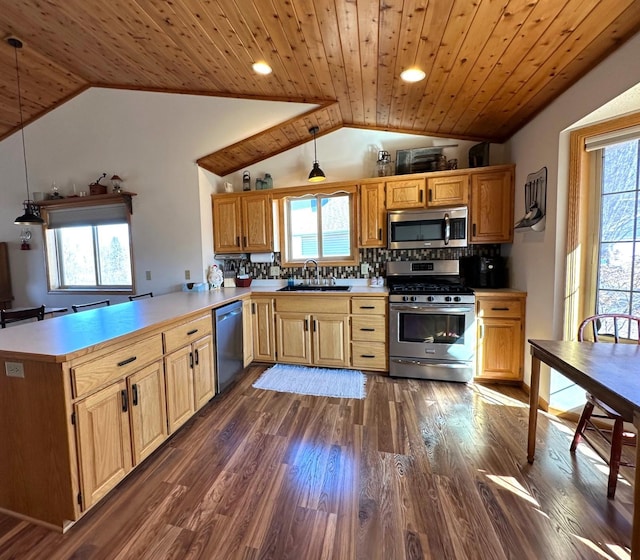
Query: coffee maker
(484,272)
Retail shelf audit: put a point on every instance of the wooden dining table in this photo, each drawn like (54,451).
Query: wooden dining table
(610,372)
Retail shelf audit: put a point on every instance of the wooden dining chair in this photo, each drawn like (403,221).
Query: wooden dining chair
(140,296)
(13,315)
(601,325)
(84,306)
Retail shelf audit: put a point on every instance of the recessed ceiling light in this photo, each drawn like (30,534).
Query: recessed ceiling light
(412,75)
(261,68)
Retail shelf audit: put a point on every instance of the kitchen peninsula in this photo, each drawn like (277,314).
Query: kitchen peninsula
(83,398)
(86,397)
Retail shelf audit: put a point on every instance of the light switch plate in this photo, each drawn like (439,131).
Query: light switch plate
(14,369)
(364,268)
(274,271)
(148,275)
(187,275)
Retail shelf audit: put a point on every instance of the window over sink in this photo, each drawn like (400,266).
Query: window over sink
(319,227)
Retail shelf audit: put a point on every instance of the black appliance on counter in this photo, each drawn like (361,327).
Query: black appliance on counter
(484,272)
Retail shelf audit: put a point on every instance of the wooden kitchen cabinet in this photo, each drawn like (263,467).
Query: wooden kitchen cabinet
(6,294)
(373,215)
(148,410)
(247,333)
(242,223)
(500,326)
(491,205)
(313,330)
(403,194)
(448,190)
(189,369)
(264,343)
(369,333)
(104,441)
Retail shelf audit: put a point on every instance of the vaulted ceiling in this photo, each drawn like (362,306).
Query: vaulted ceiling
(491,65)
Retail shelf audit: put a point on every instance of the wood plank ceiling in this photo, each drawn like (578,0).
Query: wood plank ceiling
(491,65)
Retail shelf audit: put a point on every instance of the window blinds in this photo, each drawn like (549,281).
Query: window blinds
(612,137)
(97,215)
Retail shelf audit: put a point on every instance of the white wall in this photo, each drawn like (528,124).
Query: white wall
(537,259)
(349,153)
(152,141)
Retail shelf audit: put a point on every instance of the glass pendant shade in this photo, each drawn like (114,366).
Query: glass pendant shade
(316,175)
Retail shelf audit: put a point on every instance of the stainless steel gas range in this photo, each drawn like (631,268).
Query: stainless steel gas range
(432,331)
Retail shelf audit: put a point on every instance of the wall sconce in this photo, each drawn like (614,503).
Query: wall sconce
(25,237)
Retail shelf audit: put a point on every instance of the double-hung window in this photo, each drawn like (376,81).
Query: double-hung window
(319,227)
(88,249)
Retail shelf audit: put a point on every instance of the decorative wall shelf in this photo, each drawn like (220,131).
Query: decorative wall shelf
(90,200)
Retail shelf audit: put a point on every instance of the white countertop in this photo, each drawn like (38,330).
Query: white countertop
(60,338)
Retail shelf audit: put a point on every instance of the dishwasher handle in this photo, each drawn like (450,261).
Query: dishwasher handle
(228,315)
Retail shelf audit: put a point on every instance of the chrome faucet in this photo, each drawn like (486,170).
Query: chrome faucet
(317,268)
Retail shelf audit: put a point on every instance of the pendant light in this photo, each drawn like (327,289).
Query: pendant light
(31,214)
(316,174)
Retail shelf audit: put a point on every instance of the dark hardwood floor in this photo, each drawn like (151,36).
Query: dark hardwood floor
(418,469)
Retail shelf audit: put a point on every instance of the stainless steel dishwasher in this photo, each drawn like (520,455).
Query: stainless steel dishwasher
(229,354)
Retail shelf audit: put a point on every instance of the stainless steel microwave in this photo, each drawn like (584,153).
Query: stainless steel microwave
(427,229)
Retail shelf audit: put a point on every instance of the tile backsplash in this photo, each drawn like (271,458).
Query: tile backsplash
(375,258)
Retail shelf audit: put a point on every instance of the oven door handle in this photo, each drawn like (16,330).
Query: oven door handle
(428,363)
(428,309)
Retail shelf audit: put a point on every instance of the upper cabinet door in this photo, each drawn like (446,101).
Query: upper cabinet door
(373,217)
(257,223)
(492,206)
(405,194)
(450,190)
(227,230)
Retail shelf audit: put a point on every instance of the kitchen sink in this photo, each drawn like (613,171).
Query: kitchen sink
(314,288)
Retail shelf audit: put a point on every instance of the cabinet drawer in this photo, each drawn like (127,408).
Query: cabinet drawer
(184,334)
(368,328)
(500,308)
(313,304)
(368,306)
(115,365)
(369,355)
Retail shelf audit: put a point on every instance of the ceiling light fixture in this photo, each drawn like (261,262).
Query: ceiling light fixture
(31,214)
(262,67)
(413,75)
(316,175)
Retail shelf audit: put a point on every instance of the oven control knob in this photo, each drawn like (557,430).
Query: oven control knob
(413,298)
(457,298)
(430,298)
(447,298)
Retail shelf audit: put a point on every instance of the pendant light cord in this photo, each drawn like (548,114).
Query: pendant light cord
(16,45)
(315,149)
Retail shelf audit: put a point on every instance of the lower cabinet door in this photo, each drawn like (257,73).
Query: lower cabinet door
(500,349)
(203,371)
(179,385)
(330,340)
(148,409)
(292,334)
(104,441)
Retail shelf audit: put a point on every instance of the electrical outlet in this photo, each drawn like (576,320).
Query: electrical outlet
(364,268)
(187,275)
(14,369)
(274,271)
(148,275)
